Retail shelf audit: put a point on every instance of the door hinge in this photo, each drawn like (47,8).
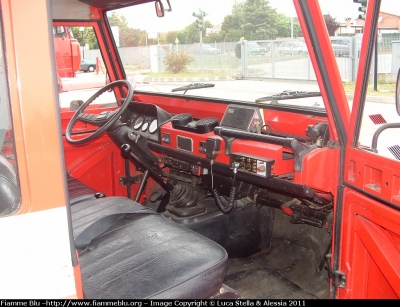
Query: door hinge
(338,277)
(130,180)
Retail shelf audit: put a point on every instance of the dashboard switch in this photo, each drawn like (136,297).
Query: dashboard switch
(166,138)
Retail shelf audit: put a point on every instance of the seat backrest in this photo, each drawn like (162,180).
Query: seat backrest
(9,190)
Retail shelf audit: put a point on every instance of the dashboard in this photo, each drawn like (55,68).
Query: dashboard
(192,144)
(146,119)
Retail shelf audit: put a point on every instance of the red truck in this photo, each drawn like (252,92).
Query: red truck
(67,52)
(188,189)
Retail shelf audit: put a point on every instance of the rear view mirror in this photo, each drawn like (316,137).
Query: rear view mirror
(398,93)
(159,8)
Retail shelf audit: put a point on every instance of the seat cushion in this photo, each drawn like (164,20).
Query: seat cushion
(78,191)
(146,256)
(10,195)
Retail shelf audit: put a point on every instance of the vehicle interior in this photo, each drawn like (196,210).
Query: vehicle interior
(181,190)
(241,174)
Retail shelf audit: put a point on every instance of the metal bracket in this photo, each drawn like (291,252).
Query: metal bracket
(130,180)
(338,277)
(228,144)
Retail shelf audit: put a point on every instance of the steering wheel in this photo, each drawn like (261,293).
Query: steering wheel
(105,119)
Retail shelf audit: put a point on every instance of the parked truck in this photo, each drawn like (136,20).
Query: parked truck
(191,189)
(67,52)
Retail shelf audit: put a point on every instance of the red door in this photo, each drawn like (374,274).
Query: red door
(366,253)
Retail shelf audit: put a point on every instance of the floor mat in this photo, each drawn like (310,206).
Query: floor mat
(288,271)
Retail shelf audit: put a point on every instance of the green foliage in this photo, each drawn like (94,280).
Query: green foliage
(192,34)
(87,36)
(283,26)
(253,20)
(117,20)
(176,62)
(128,37)
(171,37)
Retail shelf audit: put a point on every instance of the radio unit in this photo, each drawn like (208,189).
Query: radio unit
(253,165)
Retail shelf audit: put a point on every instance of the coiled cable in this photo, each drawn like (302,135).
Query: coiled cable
(225,208)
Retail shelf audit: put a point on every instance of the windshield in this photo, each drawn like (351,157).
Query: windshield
(248,49)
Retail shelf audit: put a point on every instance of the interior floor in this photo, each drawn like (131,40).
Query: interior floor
(271,255)
(287,271)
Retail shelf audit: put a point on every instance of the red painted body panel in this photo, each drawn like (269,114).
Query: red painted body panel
(319,170)
(67,52)
(371,254)
(370,250)
(98,164)
(290,123)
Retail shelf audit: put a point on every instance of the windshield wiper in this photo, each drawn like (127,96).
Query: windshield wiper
(289,95)
(192,86)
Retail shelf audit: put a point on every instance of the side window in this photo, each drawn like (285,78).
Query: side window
(10,194)
(380,125)
(80,67)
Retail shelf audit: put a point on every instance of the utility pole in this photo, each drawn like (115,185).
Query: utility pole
(291,27)
(82,29)
(200,25)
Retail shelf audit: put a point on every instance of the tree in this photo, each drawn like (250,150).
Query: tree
(284,26)
(87,36)
(192,33)
(128,37)
(171,37)
(331,24)
(117,20)
(253,20)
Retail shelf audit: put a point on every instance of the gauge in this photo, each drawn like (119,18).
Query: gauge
(145,126)
(138,123)
(153,126)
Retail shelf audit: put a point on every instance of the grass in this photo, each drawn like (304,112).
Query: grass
(383,89)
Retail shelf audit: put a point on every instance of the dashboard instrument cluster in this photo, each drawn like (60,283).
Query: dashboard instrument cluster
(144,123)
(146,119)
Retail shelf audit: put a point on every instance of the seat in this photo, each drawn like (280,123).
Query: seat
(9,189)
(78,191)
(145,256)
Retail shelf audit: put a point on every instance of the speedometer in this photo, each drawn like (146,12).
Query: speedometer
(144,127)
(153,126)
(138,123)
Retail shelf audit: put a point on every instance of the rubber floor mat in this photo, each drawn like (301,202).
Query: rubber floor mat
(288,271)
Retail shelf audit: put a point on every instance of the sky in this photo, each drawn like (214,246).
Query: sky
(216,10)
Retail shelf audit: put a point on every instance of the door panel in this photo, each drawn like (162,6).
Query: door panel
(371,260)
(98,164)
(370,223)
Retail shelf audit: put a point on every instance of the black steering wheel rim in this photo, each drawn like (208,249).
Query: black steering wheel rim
(118,112)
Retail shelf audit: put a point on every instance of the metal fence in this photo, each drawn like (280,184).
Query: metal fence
(280,59)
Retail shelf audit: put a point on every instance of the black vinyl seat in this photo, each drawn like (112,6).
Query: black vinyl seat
(10,195)
(145,256)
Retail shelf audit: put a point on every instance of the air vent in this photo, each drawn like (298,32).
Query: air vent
(377,119)
(184,143)
(395,150)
